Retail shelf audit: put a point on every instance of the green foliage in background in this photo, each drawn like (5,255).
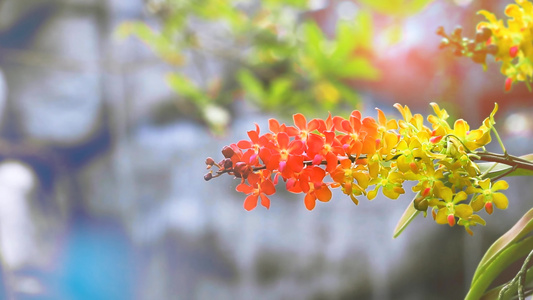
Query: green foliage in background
(276,56)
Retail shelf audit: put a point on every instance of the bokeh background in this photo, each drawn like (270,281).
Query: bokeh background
(105,129)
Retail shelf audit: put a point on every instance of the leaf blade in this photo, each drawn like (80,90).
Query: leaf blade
(408,215)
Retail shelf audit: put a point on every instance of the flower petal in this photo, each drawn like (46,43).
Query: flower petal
(250,202)
(441,217)
(478,203)
(500,185)
(300,121)
(309,201)
(244,188)
(500,200)
(283,140)
(464,211)
(273,125)
(323,194)
(268,187)
(265,201)
(460,127)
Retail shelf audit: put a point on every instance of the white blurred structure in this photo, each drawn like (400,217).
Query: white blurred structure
(17,231)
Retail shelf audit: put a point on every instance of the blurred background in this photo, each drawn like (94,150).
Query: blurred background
(110,107)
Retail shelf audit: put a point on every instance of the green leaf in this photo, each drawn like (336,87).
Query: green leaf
(314,39)
(498,263)
(160,44)
(519,230)
(279,91)
(251,85)
(364,29)
(358,67)
(348,94)
(397,7)
(281,3)
(346,41)
(408,215)
(186,88)
(501,168)
(352,35)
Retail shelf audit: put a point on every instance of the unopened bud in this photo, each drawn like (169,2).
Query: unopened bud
(444,43)
(486,32)
(227,163)
(508,84)
(479,57)
(492,49)
(208,176)
(489,208)
(414,167)
(513,51)
(227,152)
(420,204)
(458,31)
(209,161)
(451,219)
(241,170)
(426,192)
(436,139)
(483,35)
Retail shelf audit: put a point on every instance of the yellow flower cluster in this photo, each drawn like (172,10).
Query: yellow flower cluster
(440,159)
(514,41)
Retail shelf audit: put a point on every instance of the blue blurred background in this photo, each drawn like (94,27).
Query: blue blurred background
(101,171)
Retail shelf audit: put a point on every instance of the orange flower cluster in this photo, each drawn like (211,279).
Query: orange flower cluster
(358,153)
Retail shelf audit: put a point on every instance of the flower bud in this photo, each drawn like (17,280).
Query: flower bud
(483,35)
(209,161)
(436,139)
(241,170)
(508,84)
(513,51)
(458,31)
(426,192)
(489,208)
(492,49)
(479,57)
(208,176)
(444,43)
(414,167)
(227,152)
(440,31)
(420,204)
(451,219)
(486,32)
(227,163)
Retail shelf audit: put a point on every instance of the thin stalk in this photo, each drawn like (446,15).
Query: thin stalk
(499,140)
(506,159)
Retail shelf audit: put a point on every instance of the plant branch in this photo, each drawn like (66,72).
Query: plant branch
(506,159)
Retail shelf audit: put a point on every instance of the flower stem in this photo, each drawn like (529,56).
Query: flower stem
(506,159)
(499,140)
